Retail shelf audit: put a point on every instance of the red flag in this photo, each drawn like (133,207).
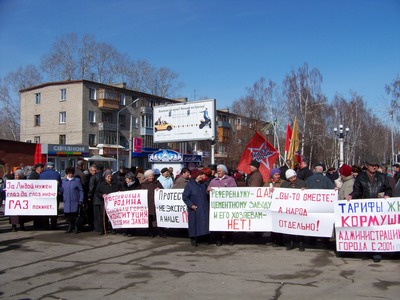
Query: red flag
(288,137)
(260,150)
(38,157)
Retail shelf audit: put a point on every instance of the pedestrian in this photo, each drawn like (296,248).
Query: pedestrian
(318,180)
(196,199)
(131,183)
(275,180)
(304,171)
(222,180)
(107,186)
(21,220)
(254,179)
(165,179)
(293,182)
(371,184)
(396,170)
(49,173)
(151,185)
(347,178)
(73,197)
(182,180)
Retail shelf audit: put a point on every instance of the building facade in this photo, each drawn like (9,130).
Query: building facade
(86,113)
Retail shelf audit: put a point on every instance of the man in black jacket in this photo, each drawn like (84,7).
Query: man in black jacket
(371,184)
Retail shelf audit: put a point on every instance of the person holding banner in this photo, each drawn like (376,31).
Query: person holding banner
(105,187)
(131,183)
(371,184)
(275,179)
(294,183)
(346,175)
(195,197)
(151,184)
(73,196)
(222,180)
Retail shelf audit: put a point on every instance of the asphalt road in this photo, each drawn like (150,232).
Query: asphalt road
(55,265)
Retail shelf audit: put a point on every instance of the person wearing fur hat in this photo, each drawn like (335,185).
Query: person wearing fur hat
(346,175)
(254,179)
(222,180)
(196,198)
(274,178)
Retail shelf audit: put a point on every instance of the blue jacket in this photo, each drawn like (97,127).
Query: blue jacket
(73,194)
(196,193)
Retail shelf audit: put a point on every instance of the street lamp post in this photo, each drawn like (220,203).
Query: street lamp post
(133,102)
(341,134)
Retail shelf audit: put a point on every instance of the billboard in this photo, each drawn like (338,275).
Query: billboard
(192,121)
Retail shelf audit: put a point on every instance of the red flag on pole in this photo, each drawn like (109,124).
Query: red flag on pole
(261,150)
(288,137)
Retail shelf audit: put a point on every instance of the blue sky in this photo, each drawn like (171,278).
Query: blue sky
(220,47)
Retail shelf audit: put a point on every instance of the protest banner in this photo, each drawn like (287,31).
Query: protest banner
(127,209)
(368,225)
(31,198)
(240,209)
(303,212)
(171,211)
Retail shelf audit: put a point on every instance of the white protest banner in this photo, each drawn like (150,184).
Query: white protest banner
(171,211)
(31,198)
(240,209)
(368,225)
(127,209)
(303,212)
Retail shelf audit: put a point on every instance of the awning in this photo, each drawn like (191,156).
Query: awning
(99,158)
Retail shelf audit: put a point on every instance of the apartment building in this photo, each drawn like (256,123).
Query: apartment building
(83,113)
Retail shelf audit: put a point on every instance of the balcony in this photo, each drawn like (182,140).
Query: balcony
(108,126)
(146,131)
(108,99)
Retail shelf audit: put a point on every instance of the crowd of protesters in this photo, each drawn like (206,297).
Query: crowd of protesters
(82,192)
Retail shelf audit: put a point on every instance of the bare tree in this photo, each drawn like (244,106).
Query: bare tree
(9,98)
(302,89)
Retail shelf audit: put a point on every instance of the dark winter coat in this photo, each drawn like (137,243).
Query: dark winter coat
(94,182)
(151,186)
(304,173)
(72,194)
(196,193)
(134,186)
(319,181)
(105,188)
(298,184)
(255,179)
(363,189)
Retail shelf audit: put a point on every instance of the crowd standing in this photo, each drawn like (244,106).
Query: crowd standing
(83,192)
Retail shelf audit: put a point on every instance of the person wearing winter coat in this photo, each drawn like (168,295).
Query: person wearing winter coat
(73,196)
(151,185)
(105,187)
(222,180)
(347,181)
(196,198)
(255,178)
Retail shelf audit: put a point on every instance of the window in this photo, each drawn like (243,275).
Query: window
(37,120)
(121,99)
(92,140)
(92,94)
(37,98)
(62,139)
(147,121)
(63,96)
(92,116)
(136,122)
(122,121)
(107,117)
(36,139)
(63,117)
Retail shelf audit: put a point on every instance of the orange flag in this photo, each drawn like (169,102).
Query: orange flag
(294,143)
